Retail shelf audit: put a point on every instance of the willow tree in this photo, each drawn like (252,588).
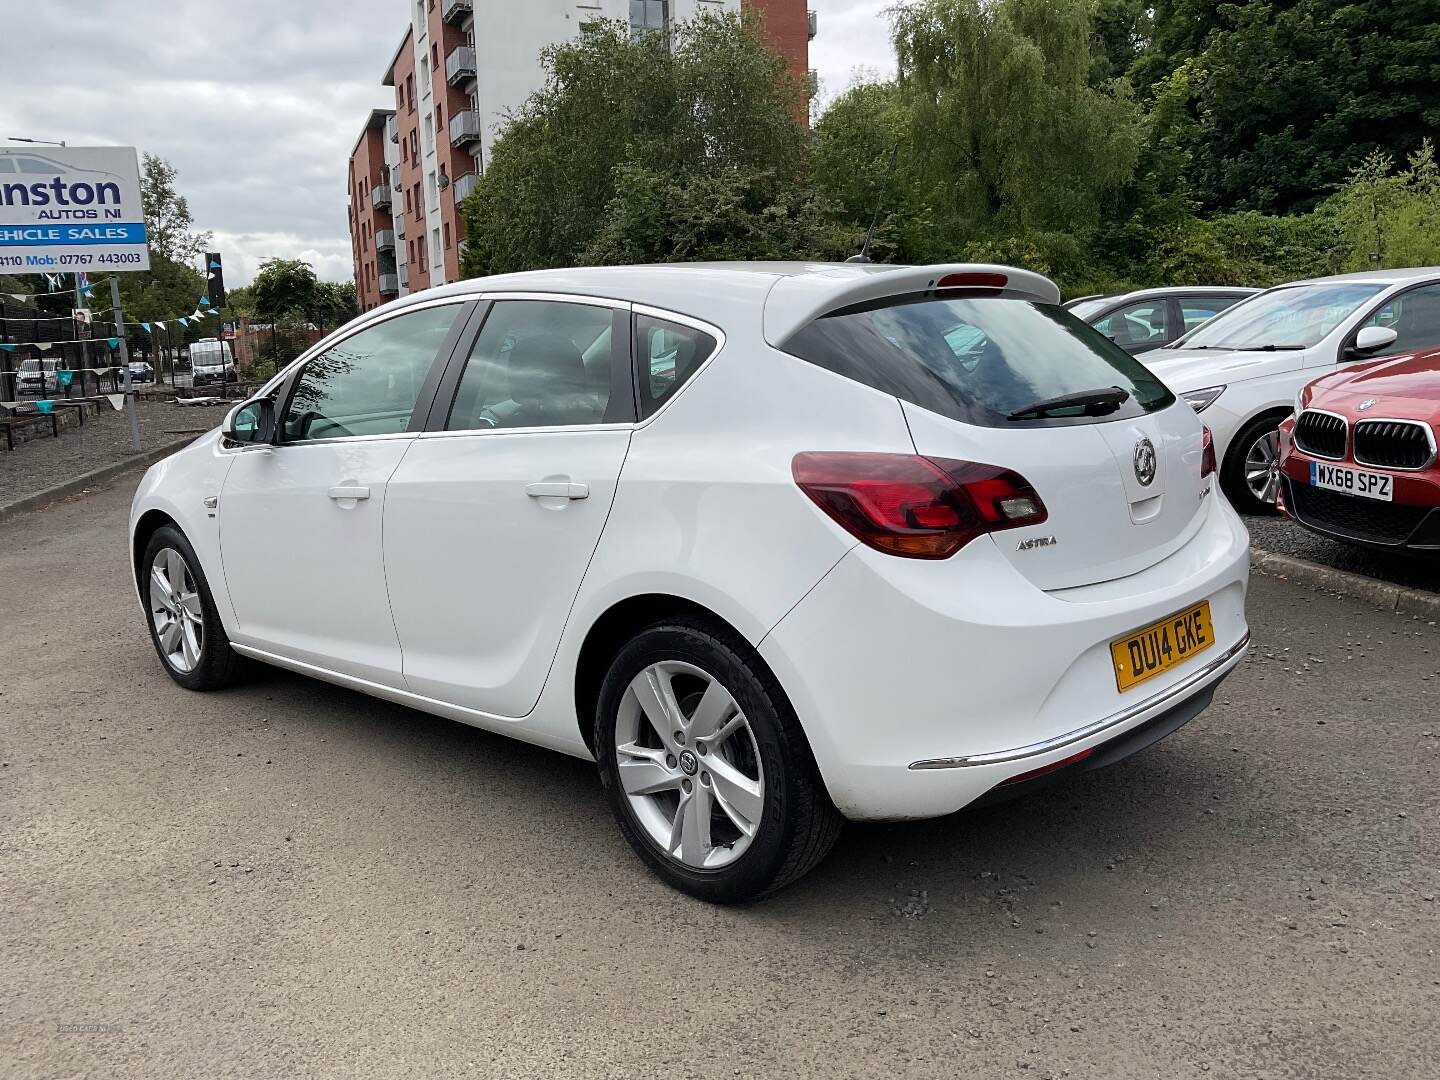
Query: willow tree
(1011,130)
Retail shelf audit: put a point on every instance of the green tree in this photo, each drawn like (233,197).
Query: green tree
(284,287)
(1007,133)
(168,221)
(1287,96)
(708,100)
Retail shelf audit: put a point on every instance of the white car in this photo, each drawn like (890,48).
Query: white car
(1243,369)
(776,544)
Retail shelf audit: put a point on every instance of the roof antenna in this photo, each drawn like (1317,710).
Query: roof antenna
(864,255)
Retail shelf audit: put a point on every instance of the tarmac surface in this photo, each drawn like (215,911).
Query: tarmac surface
(289,879)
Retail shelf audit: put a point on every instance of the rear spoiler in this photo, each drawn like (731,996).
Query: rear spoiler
(800,299)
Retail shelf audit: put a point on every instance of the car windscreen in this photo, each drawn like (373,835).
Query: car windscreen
(1085,308)
(1293,316)
(980,360)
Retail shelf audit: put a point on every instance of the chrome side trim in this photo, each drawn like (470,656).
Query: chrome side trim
(1344,430)
(1113,720)
(1421,424)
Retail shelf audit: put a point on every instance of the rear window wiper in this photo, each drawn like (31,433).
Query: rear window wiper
(1093,402)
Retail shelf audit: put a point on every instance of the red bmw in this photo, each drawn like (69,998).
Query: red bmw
(1358,458)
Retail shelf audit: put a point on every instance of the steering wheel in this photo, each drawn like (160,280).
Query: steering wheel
(309,417)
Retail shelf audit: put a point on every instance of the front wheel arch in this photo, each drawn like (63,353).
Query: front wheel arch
(149,524)
(1235,454)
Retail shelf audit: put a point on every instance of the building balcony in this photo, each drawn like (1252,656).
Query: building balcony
(399,226)
(392,129)
(380,195)
(812,24)
(384,239)
(463,186)
(460,64)
(389,284)
(454,10)
(403,273)
(464,128)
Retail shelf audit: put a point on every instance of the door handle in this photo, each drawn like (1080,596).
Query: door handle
(557,490)
(349,491)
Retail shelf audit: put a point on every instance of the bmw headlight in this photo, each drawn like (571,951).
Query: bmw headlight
(1202,399)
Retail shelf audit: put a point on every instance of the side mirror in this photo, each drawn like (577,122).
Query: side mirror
(1372,339)
(252,422)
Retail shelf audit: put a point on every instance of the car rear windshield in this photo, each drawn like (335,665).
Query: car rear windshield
(979,360)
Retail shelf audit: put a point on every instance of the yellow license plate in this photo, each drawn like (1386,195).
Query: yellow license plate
(1157,648)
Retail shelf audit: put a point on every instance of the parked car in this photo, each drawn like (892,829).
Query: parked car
(1149,318)
(1242,369)
(1358,458)
(775,544)
(140,371)
(38,376)
(211,362)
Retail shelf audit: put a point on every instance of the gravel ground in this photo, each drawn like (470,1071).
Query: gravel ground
(44,461)
(1283,537)
(289,879)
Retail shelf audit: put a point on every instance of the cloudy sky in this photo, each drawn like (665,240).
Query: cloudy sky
(258,102)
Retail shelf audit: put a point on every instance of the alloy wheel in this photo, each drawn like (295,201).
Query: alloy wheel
(1262,467)
(175,610)
(689,765)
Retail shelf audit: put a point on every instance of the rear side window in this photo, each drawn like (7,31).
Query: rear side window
(667,354)
(1136,324)
(978,360)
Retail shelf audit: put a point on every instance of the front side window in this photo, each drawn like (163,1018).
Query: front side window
(1135,324)
(1414,316)
(669,353)
(369,383)
(985,361)
(1290,317)
(537,363)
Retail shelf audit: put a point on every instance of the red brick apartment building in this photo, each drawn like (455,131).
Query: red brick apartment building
(460,66)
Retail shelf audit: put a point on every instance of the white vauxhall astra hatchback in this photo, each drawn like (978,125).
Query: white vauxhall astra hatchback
(775,544)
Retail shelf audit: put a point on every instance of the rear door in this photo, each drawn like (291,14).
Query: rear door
(493,516)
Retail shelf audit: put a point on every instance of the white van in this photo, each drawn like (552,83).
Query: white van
(211,361)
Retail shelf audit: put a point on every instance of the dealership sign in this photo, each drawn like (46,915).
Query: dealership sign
(71,209)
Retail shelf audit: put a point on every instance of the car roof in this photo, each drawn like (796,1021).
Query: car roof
(1400,276)
(788,293)
(1181,290)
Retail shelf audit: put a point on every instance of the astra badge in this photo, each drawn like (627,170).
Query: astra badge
(1036,542)
(1367,405)
(1145,462)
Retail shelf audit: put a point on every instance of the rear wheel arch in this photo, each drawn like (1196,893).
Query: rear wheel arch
(621,622)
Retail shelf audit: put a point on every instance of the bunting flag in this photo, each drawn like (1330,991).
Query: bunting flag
(160,324)
(113,342)
(8,348)
(204,301)
(117,401)
(184,321)
(214,266)
(145,326)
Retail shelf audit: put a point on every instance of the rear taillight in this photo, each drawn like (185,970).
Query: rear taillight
(918,507)
(1207,453)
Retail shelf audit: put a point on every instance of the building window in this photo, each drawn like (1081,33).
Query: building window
(439,117)
(420,250)
(419,203)
(431,189)
(647,16)
(407,200)
(446,228)
(410,91)
(435,55)
(435,241)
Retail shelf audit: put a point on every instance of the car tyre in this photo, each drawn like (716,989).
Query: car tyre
(184,626)
(764,762)
(1256,445)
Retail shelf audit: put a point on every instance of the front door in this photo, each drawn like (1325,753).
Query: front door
(300,520)
(491,521)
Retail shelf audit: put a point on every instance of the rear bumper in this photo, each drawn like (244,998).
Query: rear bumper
(922,686)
